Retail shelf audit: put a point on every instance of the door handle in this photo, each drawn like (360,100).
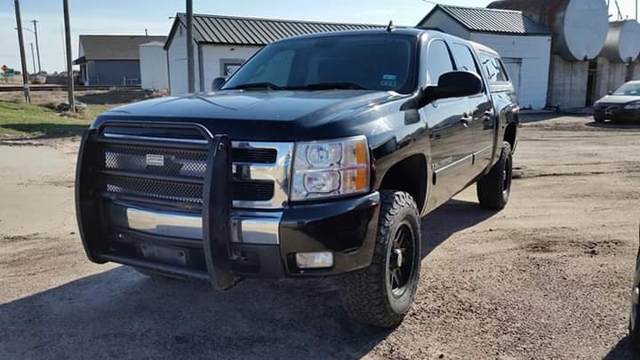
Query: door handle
(466,119)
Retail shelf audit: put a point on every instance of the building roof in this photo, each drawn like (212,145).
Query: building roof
(113,47)
(215,29)
(491,20)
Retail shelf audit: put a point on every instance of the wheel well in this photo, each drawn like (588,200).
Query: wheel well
(410,176)
(510,134)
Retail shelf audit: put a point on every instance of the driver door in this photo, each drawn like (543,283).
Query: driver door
(449,132)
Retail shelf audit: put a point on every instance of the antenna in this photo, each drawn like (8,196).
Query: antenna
(390,27)
(620,17)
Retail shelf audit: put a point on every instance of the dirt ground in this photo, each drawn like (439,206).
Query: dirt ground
(548,277)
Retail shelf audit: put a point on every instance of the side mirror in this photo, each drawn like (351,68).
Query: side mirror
(217,83)
(458,84)
(609,92)
(450,85)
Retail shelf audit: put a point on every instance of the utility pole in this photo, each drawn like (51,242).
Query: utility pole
(35,31)
(33,58)
(191,73)
(67,34)
(25,74)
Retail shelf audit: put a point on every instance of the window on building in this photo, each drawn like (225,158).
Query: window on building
(229,66)
(438,61)
(493,68)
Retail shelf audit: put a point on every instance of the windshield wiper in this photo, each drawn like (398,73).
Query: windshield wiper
(329,86)
(258,85)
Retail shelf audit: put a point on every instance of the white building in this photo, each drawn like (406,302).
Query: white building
(153,66)
(223,43)
(523,44)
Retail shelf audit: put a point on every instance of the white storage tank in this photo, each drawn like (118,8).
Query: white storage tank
(580,27)
(623,41)
(154,72)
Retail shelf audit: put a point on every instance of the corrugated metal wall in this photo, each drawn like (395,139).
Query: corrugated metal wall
(114,72)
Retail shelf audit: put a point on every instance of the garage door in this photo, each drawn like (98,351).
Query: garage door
(514,68)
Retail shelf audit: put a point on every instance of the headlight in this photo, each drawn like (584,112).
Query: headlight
(324,169)
(633,106)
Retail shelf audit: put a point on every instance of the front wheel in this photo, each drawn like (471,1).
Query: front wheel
(495,187)
(382,294)
(599,118)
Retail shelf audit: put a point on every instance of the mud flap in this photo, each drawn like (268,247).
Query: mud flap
(216,211)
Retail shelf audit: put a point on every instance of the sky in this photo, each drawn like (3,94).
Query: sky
(134,16)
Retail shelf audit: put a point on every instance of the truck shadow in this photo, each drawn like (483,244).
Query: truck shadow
(615,126)
(454,216)
(622,351)
(122,314)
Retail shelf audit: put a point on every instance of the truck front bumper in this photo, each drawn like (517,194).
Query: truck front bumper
(264,244)
(215,242)
(618,115)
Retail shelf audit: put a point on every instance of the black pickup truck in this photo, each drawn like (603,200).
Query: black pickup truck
(316,158)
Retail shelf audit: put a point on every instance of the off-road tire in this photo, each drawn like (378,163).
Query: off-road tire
(494,188)
(367,295)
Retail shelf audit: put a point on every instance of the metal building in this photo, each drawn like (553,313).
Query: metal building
(111,59)
(223,43)
(580,28)
(524,45)
(154,71)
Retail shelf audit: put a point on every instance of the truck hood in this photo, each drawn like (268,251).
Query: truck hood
(262,115)
(618,99)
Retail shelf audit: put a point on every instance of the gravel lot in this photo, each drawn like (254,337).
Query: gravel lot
(547,278)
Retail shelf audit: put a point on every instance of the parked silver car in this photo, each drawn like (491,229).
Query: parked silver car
(621,105)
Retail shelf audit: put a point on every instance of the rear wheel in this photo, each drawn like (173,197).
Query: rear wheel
(382,294)
(494,188)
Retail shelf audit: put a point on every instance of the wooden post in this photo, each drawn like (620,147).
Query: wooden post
(35,31)
(67,35)
(191,72)
(23,56)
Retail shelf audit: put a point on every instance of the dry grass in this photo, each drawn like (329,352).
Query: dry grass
(39,119)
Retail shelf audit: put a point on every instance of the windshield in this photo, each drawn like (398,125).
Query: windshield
(383,62)
(628,89)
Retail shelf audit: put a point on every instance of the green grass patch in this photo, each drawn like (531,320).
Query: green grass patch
(21,120)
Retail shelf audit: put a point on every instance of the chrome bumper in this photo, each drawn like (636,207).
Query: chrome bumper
(247,227)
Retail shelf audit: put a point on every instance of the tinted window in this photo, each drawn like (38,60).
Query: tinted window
(372,62)
(493,68)
(628,89)
(464,58)
(275,70)
(438,61)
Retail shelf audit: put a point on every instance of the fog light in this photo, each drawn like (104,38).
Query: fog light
(315,260)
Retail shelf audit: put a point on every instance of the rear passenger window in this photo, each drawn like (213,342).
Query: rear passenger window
(464,58)
(493,68)
(438,61)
